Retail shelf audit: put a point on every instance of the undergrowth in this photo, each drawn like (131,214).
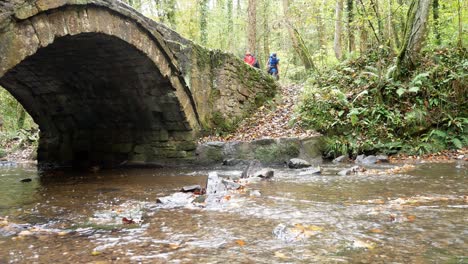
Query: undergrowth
(361,109)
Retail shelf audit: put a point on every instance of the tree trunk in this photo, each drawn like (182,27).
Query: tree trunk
(415,34)
(375,7)
(203,21)
(363,39)
(21,116)
(338,30)
(230,25)
(297,41)
(349,26)
(252,26)
(266,29)
(435,16)
(391,28)
(460,26)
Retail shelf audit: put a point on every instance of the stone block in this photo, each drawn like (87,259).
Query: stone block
(139,149)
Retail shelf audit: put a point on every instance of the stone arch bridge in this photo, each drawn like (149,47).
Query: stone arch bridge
(107,85)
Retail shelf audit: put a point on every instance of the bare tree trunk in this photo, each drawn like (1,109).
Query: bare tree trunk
(230,25)
(203,21)
(392,34)
(266,29)
(297,41)
(363,39)
(460,26)
(337,45)
(252,26)
(415,34)
(375,7)
(435,16)
(349,26)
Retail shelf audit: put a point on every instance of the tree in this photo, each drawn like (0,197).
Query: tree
(203,21)
(266,28)
(338,29)
(414,36)
(230,24)
(460,25)
(349,25)
(435,17)
(297,41)
(252,26)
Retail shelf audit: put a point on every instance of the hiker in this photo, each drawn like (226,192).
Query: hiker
(273,65)
(251,60)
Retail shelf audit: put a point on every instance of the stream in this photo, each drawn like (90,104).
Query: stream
(418,215)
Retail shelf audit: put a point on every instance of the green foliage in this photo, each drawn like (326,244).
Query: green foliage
(18,128)
(361,110)
(2,153)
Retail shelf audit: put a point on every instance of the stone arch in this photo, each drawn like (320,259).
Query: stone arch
(103,87)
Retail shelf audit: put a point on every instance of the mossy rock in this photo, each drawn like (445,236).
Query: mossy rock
(276,153)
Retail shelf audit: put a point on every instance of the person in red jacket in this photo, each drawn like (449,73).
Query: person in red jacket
(250,59)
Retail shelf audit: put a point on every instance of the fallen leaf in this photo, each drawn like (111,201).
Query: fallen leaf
(227,197)
(174,246)
(376,230)
(127,221)
(95,253)
(280,255)
(240,242)
(411,218)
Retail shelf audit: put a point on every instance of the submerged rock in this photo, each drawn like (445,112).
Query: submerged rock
(310,171)
(191,188)
(255,193)
(298,164)
(230,185)
(265,173)
(371,159)
(178,199)
(352,170)
(359,158)
(340,159)
(233,162)
(382,158)
(253,167)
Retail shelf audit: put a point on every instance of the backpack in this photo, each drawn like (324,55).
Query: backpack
(273,61)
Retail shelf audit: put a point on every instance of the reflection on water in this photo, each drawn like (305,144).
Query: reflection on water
(416,217)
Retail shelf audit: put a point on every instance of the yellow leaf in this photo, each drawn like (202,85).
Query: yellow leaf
(174,246)
(95,253)
(314,228)
(280,255)
(240,242)
(376,230)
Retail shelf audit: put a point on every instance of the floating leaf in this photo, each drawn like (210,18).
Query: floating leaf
(240,242)
(174,246)
(411,218)
(280,255)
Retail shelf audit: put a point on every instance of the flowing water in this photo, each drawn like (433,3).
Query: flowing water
(413,216)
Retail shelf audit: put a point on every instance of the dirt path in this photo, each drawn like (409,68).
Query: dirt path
(270,121)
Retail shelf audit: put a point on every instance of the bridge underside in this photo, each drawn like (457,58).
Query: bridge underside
(99,100)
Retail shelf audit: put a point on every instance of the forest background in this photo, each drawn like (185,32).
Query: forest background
(377,75)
